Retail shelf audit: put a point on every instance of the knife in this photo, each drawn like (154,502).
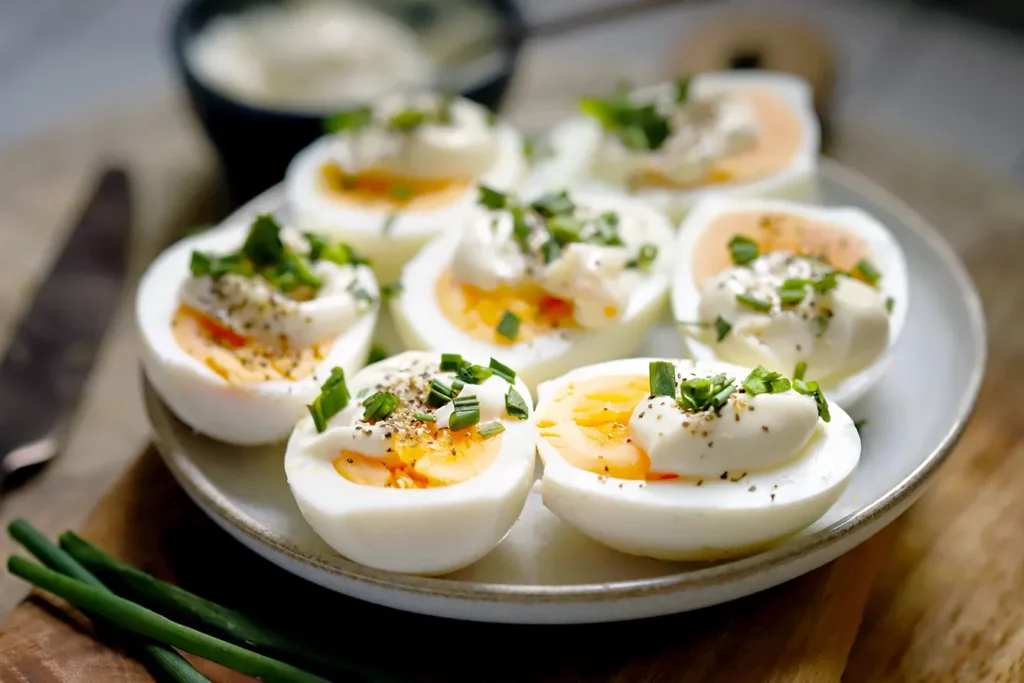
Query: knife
(56,341)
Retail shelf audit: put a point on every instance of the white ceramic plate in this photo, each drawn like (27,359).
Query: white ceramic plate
(545,572)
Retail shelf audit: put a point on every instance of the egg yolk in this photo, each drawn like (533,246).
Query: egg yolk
(778,143)
(378,190)
(588,424)
(440,458)
(237,358)
(775,232)
(478,311)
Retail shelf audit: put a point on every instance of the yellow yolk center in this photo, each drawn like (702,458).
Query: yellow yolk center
(588,424)
(377,190)
(775,232)
(435,459)
(779,141)
(237,358)
(478,311)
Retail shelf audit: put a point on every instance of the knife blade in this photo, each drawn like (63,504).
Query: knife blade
(56,341)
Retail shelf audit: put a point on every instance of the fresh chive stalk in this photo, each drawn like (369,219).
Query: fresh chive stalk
(662,377)
(722,328)
(753,302)
(182,605)
(173,664)
(490,429)
(515,405)
(503,371)
(144,622)
(466,412)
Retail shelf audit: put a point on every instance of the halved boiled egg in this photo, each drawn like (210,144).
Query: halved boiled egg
(742,134)
(543,285)
(420,463)
(783,284)
(240,325)
(394,175)
(690,461)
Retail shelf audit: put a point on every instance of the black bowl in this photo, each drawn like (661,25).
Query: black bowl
(254,144)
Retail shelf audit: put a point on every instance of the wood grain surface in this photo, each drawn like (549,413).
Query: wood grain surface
(946,606)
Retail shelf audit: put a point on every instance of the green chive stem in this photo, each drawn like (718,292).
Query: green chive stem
(174,665)
(147,623)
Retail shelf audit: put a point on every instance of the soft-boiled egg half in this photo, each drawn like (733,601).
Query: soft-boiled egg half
(543,285)
(391,176)
(240,326)
(746,134)
(690,461)
(420,463)
(783,284)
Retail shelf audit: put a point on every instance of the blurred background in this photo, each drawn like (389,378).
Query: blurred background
(929,69)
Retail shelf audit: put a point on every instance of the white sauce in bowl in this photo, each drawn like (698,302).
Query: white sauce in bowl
(313,55)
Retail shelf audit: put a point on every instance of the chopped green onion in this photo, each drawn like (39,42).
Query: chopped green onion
(763,381)
(329,250)
(490,429)
(605,230)
(515,405)
(551,205)
(825,283)
(407,120)
(457,386)
(639,127)
(521,230)
(645,258)
(793,291)
(439,394)
(263,245)
(473,374)
(820,325)
(348,121)
(360,293)
(662,376)
(450,362)
(682,89)
(332,400)
(218,266)
(508,326)
(867,272)
(800,370)
(812,389)
(550,251)
(722,328)
(379,405)
(565,229)
(466,413)
(743,249)
(391,290)
(754,303)
(424,417)
(503,371)
(377,354)
(492,199)
(889,304)
(705,393)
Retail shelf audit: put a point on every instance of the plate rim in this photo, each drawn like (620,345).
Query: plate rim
(737,570)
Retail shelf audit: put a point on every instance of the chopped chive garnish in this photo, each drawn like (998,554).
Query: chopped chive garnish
(662,376)
(812,389)
(550,251)
(867,272)
(473,374)
(466,413)
(554,205)
(565,229)
(424,417)
(439,394)
(645,258)
(377,354)
(825,283)
(492,199)
(763,381)
(754,303)
(722,328)
(889,303)
(515,405)
(490,429)
(820,325)
(705,393)
(682,89)
(457,386)
(408,119)
(389,223)
(379,405)
(503,371)
(800,370)
(508,326)
(793,291)
(219,266)
(263,245)
(640,127)
(332,400)
(391,290)
(450,362)
(348,121)
(743,249)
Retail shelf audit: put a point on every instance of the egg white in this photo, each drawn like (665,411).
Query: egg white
(422,324)
(248,414)
(415,531)
(575,142)
(678,520)
(316,211)
(883,250)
